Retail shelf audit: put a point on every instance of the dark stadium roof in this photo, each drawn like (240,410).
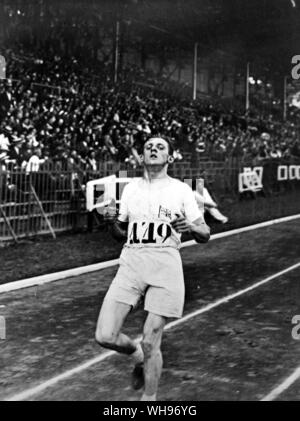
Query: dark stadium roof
(265,27)
(265,30)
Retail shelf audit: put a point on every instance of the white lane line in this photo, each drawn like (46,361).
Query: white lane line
(40,280)
(232,296)
(283,386)
(245,229)
(51,382)
(52,277)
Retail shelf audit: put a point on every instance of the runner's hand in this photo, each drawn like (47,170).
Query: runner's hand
(181,224)
(110,212)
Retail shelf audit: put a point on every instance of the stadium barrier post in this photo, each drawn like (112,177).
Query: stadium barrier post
(195,71)
(247,105)
(43,212)
(2,68)
(284,97)
(2,327)
(7,223)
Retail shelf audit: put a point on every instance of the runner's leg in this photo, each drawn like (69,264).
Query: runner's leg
(153,361)
(108,332)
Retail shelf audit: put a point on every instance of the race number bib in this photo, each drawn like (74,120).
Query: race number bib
(155,233)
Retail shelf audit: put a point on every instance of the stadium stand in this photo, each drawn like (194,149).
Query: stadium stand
(64,120)
(60,97)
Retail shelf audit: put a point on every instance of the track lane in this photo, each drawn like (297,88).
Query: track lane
(236,351)
(59,319)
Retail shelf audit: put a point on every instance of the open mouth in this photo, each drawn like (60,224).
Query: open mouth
(153,155)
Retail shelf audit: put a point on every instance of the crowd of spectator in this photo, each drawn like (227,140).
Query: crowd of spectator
(60,108)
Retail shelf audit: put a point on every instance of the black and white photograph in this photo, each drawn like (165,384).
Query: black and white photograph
(149,203)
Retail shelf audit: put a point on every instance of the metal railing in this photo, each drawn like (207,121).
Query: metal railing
(39,202)
(52,199)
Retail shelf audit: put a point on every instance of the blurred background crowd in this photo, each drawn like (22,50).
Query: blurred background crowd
(60,103)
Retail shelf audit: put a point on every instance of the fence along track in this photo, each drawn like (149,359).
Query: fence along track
(35,203)
(60,199)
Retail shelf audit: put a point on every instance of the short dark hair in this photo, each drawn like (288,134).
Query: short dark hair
(165,138)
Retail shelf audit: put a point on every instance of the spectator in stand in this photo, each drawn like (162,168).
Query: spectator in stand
(63,106)
(3,161)
(4,143)
(34,162)
(91,161)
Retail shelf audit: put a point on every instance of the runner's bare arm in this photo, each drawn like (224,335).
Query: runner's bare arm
(200,231)
(198,228)
(119,230)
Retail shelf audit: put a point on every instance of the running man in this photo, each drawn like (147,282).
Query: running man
(206,201)
(154,212)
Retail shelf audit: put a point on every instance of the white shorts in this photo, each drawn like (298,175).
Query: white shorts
(155,273)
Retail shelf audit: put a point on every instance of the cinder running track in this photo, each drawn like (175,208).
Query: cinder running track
(241,349)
